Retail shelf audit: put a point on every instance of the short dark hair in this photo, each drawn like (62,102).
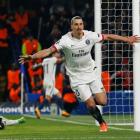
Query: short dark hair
(76,17)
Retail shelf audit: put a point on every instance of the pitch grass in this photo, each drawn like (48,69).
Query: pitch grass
(60,128)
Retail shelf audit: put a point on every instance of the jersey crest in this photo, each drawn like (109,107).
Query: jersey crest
(87,42)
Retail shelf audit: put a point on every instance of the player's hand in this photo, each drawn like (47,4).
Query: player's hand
(24,58)
(133,39)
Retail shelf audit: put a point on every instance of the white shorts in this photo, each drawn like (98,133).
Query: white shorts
(50,90)
(84,91)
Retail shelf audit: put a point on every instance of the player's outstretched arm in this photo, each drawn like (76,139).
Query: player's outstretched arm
(128,39)
(40,54)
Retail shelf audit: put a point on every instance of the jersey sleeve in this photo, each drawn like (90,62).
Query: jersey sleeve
(59,45)
(97,37)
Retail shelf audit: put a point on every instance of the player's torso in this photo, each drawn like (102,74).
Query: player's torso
(78,53)
(49,67)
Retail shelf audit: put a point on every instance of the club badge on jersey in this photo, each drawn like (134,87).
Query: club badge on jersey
(87,41)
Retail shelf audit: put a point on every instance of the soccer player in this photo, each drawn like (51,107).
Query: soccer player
(51,93)
(80,66)
(6,122)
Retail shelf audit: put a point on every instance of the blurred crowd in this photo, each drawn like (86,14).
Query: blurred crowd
(29,26)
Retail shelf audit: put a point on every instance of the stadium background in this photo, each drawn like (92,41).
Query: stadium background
(45,21)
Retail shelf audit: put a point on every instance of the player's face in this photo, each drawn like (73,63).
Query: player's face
(77,26)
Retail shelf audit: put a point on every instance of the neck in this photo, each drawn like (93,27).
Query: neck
(77,35)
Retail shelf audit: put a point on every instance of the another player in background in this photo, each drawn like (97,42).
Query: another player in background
(80,66)
(51,93)
(6,122)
